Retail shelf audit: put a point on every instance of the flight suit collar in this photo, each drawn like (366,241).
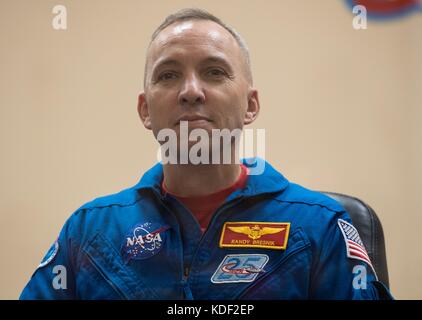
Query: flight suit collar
(269,181)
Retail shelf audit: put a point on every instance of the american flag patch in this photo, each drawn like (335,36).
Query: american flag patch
(354,245)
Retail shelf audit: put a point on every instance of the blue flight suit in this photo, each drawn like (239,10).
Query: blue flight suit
(142,244)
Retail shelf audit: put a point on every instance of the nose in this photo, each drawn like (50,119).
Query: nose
(191,92)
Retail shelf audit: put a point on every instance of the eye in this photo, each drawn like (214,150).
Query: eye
(216,72)
(168,75)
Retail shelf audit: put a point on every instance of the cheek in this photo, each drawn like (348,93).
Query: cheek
(235,106)
(163,98)
(161,104)
(228,108)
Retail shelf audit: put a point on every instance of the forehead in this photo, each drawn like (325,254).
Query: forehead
(193,36)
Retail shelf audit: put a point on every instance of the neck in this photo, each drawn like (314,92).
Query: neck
(198,180)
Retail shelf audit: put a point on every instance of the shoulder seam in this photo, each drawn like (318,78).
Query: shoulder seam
(312,204)
(83,208)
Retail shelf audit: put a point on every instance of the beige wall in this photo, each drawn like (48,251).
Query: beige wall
(341,108)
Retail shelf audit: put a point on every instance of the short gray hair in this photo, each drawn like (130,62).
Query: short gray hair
(200,14)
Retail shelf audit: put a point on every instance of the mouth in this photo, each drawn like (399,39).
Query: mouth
(193,119)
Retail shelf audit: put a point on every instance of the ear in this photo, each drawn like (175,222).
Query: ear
(253,107)
(143,111)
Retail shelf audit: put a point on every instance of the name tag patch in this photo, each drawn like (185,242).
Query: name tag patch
(269,235)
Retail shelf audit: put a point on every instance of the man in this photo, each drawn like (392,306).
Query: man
(210,230)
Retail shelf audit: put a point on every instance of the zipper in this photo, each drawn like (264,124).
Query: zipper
(186,269)
(218,212)
(214,217)
(186,272)
(186,289)
(108,280)
(266,275)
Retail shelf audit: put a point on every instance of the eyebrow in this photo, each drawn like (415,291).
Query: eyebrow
(212,59)
(166,62)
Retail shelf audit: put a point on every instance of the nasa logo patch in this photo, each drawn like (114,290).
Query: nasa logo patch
(51,253)
(144,241)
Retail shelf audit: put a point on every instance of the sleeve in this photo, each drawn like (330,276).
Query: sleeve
(54,277)
(342,267)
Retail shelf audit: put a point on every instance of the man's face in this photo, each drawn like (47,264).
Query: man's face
(196,72)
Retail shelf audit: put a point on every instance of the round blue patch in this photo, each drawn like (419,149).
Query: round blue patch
(51,253)
(143,241)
